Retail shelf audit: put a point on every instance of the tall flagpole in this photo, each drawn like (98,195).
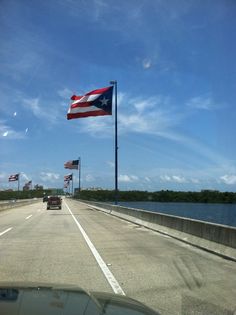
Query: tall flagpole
(79,170)
(116,144)
(72,188)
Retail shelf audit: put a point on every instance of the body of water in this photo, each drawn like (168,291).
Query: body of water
(210,212)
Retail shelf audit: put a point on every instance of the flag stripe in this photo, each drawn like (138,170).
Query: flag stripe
(98,91)
(87,98)
(83,109)
(87,114)
(84,104)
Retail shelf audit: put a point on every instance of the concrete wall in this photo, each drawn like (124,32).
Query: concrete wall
(4,205)
(216,238)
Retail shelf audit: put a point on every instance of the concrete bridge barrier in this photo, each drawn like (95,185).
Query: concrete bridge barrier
(8,204)
(216,238)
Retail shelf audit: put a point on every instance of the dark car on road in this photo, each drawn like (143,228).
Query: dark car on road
(54,202)
(45,198)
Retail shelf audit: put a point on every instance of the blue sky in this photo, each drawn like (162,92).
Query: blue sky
(175,66)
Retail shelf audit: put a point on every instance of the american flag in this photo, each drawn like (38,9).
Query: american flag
(13,178)
(72,165)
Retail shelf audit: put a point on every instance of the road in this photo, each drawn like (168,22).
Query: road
(98,252)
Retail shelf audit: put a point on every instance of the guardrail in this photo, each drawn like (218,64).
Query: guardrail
(217,238)
(8,204)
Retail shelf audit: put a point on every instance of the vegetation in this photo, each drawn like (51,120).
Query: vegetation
(8,195)
(204,196)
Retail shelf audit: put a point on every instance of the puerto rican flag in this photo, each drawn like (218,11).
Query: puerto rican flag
(68,177)
(13,178)
(94,103)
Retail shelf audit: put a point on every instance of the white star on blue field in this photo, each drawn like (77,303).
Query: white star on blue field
(174,62)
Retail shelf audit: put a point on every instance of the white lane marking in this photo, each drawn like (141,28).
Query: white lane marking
(29,216)
(7,230)
(107,273)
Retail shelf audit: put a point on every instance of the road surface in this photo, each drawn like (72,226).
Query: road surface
(98,252)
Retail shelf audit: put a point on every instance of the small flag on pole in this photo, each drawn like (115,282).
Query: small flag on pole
(68,177)
(13,178)
(93,103)
(72,165)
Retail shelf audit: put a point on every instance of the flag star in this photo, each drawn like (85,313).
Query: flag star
(104,101)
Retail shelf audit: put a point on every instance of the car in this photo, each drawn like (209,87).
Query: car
(54,202)
(45,198)
(28,298)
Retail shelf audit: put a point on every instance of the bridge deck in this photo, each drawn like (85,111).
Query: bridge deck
(165,274)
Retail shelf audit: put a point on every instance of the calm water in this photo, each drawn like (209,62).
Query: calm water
(216,213)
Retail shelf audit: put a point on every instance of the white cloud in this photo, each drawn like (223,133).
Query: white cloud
(33,105)
(201,102)
(40,111)
(15,113)
(195,180)
(128,178)
(89,178)
(8,132)
(24,176)
(165,178)
(147,63)
(3,176)
(179,179)
(111,164)
(147,115)
(147,179)
(65,93)
(229,179)
(49,177)
(142,104)
(173,179)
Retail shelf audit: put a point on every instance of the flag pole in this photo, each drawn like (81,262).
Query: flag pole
(79,170)
(18,182)
(116,144)
(72,188)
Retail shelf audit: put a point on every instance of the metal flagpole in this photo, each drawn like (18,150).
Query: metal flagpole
(79,170)
(116,144)
(72,193)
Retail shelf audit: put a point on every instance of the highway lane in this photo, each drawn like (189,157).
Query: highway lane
(47,248)
(164,273)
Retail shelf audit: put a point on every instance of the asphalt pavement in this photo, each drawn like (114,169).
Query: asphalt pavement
(98,252)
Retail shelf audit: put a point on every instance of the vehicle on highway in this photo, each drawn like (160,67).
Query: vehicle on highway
(54,202)
(45,198)
(47,299)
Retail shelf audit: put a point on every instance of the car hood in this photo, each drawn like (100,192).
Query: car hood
(54,299)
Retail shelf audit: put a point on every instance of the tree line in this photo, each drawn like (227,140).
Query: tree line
(8,195)
(203,196)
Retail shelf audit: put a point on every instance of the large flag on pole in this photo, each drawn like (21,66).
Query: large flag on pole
(72,165)
(93,103)
(13,178)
